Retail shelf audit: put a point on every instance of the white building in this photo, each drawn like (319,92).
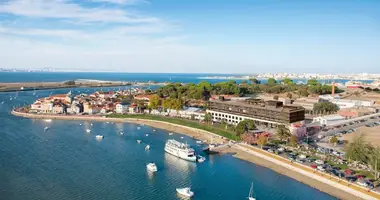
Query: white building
(328,119)
(346,103)
(121,108)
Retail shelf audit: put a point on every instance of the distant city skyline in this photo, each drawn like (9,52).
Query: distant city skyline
(237,37)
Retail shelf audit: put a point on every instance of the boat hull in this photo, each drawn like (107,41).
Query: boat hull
(178,154)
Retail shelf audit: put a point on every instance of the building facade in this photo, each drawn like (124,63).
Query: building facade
(270,112)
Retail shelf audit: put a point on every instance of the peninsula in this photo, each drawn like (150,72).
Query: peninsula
(27,86)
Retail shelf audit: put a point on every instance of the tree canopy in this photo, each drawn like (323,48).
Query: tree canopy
(323,107)
(283,132)
(243,126)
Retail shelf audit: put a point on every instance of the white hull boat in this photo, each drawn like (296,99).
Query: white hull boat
(181,150)
(99,137)
(147,147)
(151,167)
(185,192)
(88,130)
(139,141)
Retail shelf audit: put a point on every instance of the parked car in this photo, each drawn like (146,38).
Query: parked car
(321,168)
(310,160)
(281,149)
(320,162)
(300,160)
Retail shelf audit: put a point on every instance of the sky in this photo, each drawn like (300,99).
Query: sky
(192,36)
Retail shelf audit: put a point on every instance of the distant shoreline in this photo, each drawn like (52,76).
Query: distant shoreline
(80,83)
(321,181)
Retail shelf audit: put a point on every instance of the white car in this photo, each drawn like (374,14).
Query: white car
(320,162)
(362,183)
(321,168)
(281,149)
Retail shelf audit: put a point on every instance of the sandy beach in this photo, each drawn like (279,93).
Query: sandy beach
(316,180)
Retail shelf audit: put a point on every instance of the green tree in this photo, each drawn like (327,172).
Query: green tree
(208,118)
(154,102)
(69,83)
(293,141)
(287,81)
(313,82)
(358,150)
(254,81)
(283,132)
(334,140)
(275,97)
(325,107)
(262,140)
(272,81)
(243,126)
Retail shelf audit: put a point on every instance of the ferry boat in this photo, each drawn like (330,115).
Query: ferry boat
(180,150)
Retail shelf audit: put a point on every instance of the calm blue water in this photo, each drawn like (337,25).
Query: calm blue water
(67,163)
(158,77)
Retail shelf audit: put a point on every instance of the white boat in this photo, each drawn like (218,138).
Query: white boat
(147,147)
(91,124)
(250,195)
(170,133)
(147,134)
(121,133)
(99,137)
(201,159)
(185,192)
(180,150)
(182,137)
(2,102)
(138,128)
(47,120)
(154,129)
(139,141)
(151,167)
(199,142)
(46,128)
(88,130)
(107,122)
(80,124)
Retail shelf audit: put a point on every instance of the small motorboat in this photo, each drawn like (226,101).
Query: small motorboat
(121,133)
(147,147)
(182,137)
(201,159)
(154,129)
(147,134)
(107,122)
(139,141)
(80,124)
(88,130)
(99,137)
(199,142)
(170,133)
(151,167)
(46,128)
(91,124)
(2,102)
(47,120)
(185,192)
(138,128)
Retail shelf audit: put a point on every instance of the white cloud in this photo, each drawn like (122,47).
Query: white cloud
(62,9)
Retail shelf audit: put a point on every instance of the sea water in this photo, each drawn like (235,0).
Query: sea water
(67,163)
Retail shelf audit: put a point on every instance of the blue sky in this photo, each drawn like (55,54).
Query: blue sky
(219,36)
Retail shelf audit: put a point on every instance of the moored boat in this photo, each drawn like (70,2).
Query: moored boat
(147,147)
(180,150)
(200,158)
(152,167)
(99,137)
(185,192)
(139,141)
(88,130)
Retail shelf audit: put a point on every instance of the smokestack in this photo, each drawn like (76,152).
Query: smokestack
(333,89)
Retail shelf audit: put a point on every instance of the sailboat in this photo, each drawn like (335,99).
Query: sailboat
(250,195)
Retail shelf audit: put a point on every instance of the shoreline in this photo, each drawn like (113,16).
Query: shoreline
(317,180)
(80,83)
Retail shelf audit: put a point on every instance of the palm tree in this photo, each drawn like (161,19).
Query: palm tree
(282,132)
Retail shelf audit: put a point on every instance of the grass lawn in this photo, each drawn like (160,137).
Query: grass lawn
(183,122)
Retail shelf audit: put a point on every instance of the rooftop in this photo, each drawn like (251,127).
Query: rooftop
(268,105)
